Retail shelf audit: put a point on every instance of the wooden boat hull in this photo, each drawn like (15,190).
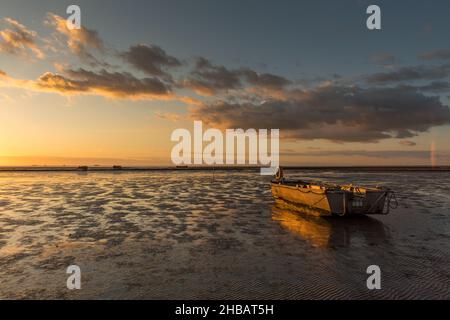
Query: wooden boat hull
(330,202)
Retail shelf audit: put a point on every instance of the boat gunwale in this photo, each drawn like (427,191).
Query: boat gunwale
(331,189)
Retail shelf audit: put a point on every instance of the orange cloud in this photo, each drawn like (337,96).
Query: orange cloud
(105,83)
(174,117)
(407,143)
(17,39)
(117,85)
(80,41)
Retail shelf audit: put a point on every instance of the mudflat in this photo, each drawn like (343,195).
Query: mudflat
(189,235)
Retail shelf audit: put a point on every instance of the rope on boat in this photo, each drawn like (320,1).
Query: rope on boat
(392,196)
(309,191)
(392,202)
(324,197)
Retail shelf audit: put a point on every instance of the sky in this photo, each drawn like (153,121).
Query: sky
(114,91)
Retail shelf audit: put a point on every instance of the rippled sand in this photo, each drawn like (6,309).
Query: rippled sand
(183,235)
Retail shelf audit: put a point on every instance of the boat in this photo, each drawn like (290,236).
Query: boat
(327,199)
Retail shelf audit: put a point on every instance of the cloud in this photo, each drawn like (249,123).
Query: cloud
(209,79)
(436,87)
(82,42)
(423,154)
(407,143)
(104,83)
(335,113)
(410,73)
(6,98)
(150,59)
(173,117)
(122,85)
(439,54)
(383,59)
(264,80)
(245,98)
(19,40)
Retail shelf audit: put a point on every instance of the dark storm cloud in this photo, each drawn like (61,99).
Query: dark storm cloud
(440,54)
(113,84)
(209,79)
(150,59)
(410,73)
(335,113)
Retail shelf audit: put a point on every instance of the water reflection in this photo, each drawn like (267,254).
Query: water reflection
(330,231)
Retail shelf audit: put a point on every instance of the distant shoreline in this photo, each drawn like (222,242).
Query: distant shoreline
(217,168)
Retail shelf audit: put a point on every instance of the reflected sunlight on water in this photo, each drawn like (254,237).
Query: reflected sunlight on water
(330,231)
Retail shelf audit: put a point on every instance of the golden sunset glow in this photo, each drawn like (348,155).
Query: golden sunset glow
(70,97)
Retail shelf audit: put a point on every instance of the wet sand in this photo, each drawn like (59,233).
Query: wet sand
(185,235)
